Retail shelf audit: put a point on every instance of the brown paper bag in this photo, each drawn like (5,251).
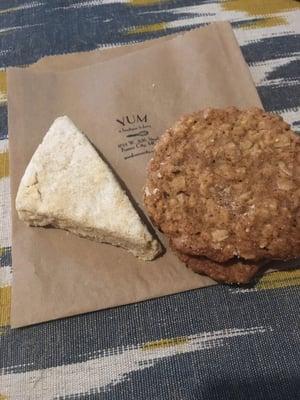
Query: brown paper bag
(57,274)
(78,60)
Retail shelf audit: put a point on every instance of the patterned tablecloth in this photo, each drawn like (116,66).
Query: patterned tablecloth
(214,343)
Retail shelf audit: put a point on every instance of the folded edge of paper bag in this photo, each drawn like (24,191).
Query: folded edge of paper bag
(80,59)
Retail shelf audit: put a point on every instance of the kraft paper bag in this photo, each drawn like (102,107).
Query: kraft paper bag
(122,99)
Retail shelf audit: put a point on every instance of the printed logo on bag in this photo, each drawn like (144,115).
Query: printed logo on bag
(136,138)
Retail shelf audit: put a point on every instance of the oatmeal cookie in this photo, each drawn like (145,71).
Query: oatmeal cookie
(225,184)
(232,271)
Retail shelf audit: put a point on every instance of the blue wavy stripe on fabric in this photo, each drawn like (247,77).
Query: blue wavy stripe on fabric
(155,6)
(215,374)
(288,72)
(215,308)
(271,48)
(5,257)
(3,122)
(279,98)
(50,29)
(246,22)
(83,4)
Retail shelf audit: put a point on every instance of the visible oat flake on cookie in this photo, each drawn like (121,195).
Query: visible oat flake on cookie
(225,184)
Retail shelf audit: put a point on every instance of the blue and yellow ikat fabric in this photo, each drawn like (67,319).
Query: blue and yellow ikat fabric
(214,343)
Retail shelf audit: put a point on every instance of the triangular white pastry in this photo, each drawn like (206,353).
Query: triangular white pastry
(67,185)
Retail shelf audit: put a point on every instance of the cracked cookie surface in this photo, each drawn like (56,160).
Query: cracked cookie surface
(226,183)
